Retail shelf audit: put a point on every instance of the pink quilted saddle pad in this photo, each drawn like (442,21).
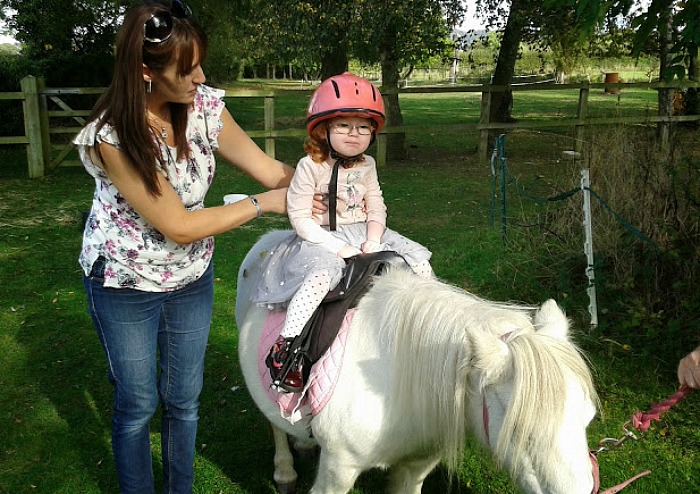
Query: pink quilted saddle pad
(323,376)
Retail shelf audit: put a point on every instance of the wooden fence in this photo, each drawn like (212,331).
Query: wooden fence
(43,156)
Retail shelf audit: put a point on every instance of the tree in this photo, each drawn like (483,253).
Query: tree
(232,36)
(85,36)
(680,22)
(84,26)
(502,101)
(563,26)
(315,34)
(61,37)
(400,34)
(393,33)
(683,15)
(675,24)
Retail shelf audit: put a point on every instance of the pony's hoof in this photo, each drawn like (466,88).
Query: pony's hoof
(290,488)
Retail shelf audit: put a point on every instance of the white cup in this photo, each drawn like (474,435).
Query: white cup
(231,198)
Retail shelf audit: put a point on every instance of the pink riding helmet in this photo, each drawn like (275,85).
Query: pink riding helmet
(345,94)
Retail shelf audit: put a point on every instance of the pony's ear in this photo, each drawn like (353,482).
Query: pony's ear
(551,320)
(490,358)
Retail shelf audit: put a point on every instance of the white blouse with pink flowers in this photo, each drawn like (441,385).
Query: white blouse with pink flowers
(136,254)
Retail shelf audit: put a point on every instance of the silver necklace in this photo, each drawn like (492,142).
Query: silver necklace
(163,131)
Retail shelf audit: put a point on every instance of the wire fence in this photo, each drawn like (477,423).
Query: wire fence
(502,182)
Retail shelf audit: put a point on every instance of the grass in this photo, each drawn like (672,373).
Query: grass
(55,398)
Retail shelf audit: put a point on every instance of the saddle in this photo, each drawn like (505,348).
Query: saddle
(323,326)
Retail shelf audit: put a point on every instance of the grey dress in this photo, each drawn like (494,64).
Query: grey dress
(285,266)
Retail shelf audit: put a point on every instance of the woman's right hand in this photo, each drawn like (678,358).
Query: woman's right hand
(348,250)
(320,204)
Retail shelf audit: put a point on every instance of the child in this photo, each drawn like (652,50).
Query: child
(343,118)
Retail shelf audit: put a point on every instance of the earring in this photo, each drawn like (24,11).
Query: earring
(149,86)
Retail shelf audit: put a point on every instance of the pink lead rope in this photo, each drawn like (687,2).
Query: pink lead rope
(610,490)
(640,421)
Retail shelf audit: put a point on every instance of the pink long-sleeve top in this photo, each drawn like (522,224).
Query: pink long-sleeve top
(359,200)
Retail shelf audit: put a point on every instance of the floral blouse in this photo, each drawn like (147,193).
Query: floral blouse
(136,254)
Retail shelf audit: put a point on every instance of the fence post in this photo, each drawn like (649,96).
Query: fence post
(36,148)
(588,247)
(581,115)
(485,119)
(269,125)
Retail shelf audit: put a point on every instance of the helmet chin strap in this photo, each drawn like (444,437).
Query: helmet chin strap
(340,160)
(333,188)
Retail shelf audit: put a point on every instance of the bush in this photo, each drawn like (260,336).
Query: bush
(12,70)
(646,234)
(59,69)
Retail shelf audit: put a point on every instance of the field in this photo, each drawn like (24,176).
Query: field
(55,400)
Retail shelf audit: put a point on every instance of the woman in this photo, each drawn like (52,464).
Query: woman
(147,244)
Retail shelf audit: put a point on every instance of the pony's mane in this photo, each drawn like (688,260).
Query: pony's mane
(432,326)
(538,402)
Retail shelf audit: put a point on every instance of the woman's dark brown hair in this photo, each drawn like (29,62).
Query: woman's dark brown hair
(124,103)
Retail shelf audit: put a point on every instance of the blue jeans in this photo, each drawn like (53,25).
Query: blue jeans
(140,332)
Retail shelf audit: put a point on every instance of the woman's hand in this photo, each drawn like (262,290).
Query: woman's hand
(689,369)
(348,250)
(319,206)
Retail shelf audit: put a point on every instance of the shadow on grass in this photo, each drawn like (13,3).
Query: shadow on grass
(63,424)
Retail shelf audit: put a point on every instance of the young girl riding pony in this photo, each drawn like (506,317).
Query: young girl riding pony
(343,118)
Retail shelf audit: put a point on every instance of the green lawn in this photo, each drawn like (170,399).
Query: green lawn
(55,398)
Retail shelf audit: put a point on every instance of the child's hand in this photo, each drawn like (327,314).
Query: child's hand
(348,250)
(371,246)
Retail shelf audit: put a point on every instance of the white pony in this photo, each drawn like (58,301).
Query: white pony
(425,365)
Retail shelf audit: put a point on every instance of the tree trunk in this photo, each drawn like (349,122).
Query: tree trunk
(502,102)
(396,143)
(692,98)
(694,63)
(335,61)
(665,96)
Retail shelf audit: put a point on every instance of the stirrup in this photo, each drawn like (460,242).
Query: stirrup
(285,370)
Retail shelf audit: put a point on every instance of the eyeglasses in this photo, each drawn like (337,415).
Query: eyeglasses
(159,27)
(344,128)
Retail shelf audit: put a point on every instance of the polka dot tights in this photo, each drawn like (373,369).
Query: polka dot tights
(315,287)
